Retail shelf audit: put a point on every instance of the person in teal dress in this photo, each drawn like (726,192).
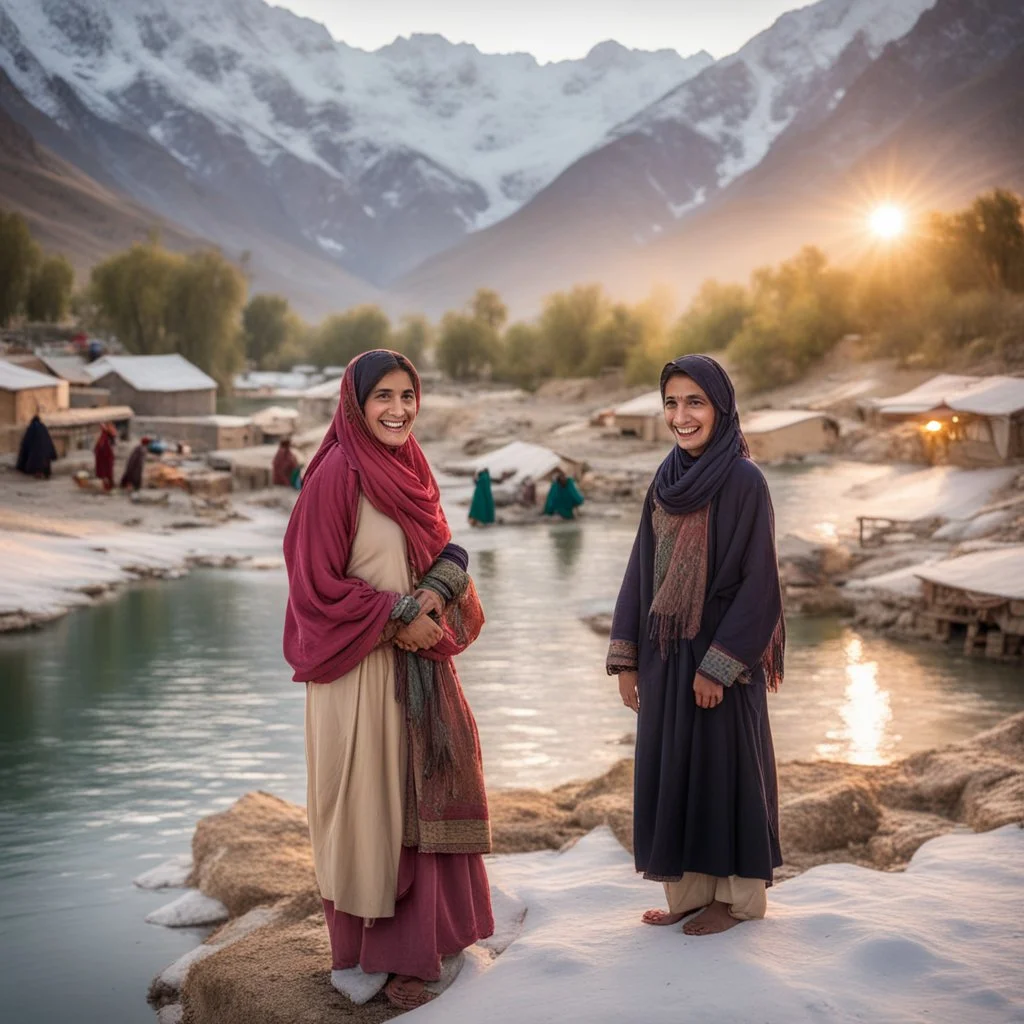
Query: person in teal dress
(563,498)
(481,511)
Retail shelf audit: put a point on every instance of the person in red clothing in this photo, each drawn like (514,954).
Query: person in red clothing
(103,451)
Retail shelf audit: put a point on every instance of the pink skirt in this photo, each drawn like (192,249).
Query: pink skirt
(443,905)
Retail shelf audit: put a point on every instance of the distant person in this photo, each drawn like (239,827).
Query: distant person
(563,497)
(103,453)
(285,471)
(379,603)
(697,641)
(527,496)
(36,451)
(481,511)
(131,478)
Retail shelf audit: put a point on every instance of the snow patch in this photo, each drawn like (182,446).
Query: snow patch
(172,874)
(939,941)
(189,911)
(359,986)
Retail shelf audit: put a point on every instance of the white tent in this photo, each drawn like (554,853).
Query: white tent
(932,393)
(523,460)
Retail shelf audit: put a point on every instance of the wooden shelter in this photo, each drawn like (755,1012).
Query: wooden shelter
(978,599)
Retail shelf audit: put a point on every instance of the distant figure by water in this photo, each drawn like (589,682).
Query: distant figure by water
(131,478)
(285,470)
(481,510)
(697,642)
(563,497)
(37,451)
(103,455)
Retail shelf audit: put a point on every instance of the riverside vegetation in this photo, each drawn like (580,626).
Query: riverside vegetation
(951,292)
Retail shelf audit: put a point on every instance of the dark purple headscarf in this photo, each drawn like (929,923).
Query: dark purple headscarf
(683,483)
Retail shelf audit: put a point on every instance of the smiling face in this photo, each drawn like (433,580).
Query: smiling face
(390,409)
(689,414)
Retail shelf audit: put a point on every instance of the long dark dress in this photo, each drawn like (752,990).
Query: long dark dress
(705,791)
(36,451)
(131,478)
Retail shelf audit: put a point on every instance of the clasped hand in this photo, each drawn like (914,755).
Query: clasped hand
(423,632)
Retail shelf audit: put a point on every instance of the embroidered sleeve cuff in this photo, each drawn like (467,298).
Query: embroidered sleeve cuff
(406,609)
(721,666)
(622,657)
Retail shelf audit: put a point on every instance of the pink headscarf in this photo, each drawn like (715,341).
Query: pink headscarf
(333,621)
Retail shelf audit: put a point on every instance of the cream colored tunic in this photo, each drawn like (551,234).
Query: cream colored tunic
(356,750)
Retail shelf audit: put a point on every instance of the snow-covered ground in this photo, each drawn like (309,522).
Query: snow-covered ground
(945,492)
(943,941)
(46,574)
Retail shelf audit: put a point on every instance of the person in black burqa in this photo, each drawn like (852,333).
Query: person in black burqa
(36,451)
(697,643)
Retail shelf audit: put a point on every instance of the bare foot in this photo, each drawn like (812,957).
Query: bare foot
(712,920)
(662,917)
(406,993)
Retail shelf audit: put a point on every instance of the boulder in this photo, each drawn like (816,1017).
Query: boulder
(841,815)
(253,854)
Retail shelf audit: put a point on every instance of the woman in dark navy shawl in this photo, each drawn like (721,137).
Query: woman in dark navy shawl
(697,642)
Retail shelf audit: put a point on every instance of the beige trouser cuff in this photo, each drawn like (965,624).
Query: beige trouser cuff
(745,897)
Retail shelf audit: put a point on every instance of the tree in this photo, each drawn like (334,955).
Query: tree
(50,289)
(131,291)
(522,359)
(622,331)
(982,246)
(411,338)
(19,256)
(465,346)
(342,337)
(266,324)
(713,319)
(487,307)
(800,310)
(568,323)
(205,298)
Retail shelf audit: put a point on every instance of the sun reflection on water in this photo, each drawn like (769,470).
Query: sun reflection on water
(866,711)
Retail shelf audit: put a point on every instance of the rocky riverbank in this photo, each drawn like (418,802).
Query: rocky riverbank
(270,962)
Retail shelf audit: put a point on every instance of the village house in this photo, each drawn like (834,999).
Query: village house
(777,434)
(642,417)
(318,403)
(201,433)
(966,421)
(77,429)
(23,394)
(167,385)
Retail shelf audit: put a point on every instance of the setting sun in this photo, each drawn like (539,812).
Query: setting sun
(888,221)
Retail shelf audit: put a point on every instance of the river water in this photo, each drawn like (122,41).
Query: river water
(123,724)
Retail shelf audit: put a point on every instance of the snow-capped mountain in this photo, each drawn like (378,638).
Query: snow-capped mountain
(674,157)
(746,101)
(934,119)
(375,159)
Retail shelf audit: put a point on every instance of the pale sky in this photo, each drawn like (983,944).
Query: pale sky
(550,29)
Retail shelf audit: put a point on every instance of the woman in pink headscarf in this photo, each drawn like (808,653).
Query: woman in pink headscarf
(379,603)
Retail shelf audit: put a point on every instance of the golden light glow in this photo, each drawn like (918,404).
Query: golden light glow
(933,426)
(866,713)
(887,221)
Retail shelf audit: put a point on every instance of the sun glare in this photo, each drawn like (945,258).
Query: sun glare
(888,221)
